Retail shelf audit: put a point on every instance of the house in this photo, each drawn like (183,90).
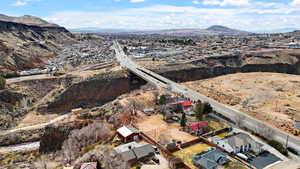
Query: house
(239,143)
(92,165)
(187,106)
(134,152)
(128,133)
(210,159)
(198,128)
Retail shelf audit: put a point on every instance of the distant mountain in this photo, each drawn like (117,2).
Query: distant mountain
(213,30)
(98,30)
(28,20)
(225,30)
(28,42)
(283,30)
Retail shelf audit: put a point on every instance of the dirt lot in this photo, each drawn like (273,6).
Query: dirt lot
(271,97)
(155,127)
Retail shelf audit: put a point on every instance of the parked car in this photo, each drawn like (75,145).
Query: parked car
(294,151)
(175,118)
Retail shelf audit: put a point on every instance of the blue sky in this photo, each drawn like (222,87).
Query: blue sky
(251,15)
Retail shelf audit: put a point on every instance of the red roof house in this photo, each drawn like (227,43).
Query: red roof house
(187,103)
(198,127)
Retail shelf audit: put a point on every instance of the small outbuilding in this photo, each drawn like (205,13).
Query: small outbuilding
(128,133)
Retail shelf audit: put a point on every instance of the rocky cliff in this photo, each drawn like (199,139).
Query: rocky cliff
(25,46)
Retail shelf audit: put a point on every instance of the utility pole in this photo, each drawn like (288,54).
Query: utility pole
(287,141)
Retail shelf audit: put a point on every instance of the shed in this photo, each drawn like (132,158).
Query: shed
(128,133)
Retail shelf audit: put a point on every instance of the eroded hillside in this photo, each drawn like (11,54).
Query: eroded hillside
(29,46)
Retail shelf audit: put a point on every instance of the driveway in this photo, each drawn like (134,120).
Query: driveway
(265,160)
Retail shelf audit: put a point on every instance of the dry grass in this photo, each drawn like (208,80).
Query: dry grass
(155,126)
(186,154)
(270,97)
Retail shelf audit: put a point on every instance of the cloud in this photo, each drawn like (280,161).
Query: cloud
(136,1)
(295,2)
(23,2)
(19,3)
(226,2)
(196,2)
(168,17)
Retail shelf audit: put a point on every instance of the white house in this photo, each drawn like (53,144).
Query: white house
(238,143)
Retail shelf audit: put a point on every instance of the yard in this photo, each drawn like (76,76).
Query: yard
(155,127)
(234,165)
(187,153)
(214,125)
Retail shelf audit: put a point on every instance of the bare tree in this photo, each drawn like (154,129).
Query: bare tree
(264,131)
(88,135)
(41,163)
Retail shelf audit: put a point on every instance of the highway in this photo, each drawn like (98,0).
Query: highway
(227,111)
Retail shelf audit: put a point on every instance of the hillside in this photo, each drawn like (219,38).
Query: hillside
(28,20)
(26,46)
(218,29)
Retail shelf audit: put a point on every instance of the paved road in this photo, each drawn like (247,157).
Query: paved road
(38,126)
(22,147)
(225,110)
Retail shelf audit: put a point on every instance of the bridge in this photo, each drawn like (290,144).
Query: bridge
(228,112)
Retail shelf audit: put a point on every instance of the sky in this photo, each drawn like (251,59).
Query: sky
(249,15)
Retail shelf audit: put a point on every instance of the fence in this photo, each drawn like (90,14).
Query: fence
(167,154)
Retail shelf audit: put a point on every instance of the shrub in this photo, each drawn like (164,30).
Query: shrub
(2,82)
(162,100)
(183,120)
(278,146)
(207,108)
(79,140)
(199,110)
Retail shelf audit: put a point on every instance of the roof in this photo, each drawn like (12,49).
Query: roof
(198,125)
(187,103)
(241,139)
(125,147)
(210,159)
(143,151)
(128,155)
(91,165)
(184,103)
(126,131)
(134,150)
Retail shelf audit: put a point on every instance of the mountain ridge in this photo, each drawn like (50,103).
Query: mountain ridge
(26,46)
(27,20)
(212,30)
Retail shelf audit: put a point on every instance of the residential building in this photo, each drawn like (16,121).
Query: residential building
(198,128)
(210,159)
(134,152)
(239,143)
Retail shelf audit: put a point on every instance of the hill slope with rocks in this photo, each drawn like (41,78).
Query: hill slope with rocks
(28,42)
(218,29)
